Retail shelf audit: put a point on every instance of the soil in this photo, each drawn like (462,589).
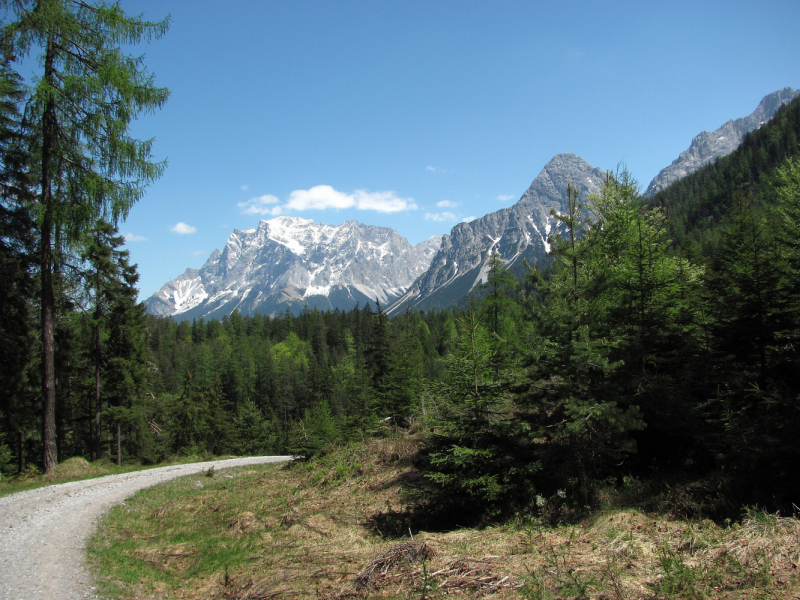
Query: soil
(43,532)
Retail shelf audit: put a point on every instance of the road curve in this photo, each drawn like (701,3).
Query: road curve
(43,532)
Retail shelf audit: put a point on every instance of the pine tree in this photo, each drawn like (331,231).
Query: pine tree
(189,426)
(81,106)
(406,363)
(501,283)
(645,301)
(749,308)
(119,332)
(753,294)
(317,429)
(787,234)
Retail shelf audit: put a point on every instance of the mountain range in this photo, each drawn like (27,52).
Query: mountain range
(290,262)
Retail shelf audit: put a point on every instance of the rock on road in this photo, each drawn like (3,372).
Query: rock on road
(43,532)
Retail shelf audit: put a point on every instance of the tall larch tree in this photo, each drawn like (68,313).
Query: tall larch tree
(81,105)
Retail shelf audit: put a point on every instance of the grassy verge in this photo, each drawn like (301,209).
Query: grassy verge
(76,469)
(317,530)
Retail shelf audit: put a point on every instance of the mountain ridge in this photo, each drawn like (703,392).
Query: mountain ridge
(518,232)
(291,262)
(708,146)
(304,270)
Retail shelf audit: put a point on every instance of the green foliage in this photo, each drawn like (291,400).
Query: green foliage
(575,403)
(84,100)
(787,235)
(5,454)
(481,465)
(311,434)
(748,308)
(605,372)
(189,420)
(251,434)
(754,407)
(16,271)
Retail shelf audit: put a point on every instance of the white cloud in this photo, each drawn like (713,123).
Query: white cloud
(385,202)
(445,216)
(132,237)
(319,197)
(431,169)
(197,252)
(446,204)
(505,197)
(323,197)
(184,228)
(244,187)
(468,219)
(263,205)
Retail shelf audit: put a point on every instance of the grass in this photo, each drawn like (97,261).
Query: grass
(77,469)
(319,530)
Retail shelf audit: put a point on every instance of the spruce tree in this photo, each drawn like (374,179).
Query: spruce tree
(573,401)
(119,333)
(16,282)
(749,309)
(645,306)
(787,220)
(481,466)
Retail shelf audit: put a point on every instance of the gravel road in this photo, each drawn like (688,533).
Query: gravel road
(43,532)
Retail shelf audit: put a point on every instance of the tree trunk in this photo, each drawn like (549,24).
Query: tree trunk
(48,352)
(119,445)
(97,403)
(20,452)
(47,292)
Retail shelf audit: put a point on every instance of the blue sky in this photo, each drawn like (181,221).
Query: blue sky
(417,115)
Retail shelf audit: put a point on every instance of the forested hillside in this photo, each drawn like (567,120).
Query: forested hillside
(696,204)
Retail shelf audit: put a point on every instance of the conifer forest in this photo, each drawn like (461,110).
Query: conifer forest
(658,342)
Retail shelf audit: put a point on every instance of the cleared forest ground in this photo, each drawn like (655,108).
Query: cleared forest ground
(321,530)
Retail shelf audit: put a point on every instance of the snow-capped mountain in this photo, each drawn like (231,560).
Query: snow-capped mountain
(515,233)
(707,147)
(289,262)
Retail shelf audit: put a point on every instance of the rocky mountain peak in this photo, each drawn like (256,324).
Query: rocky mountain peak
(708,146)
(516,233)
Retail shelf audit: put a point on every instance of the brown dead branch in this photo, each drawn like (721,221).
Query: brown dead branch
(473,576)
(398,556)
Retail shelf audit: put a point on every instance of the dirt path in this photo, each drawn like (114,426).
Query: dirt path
(43,532)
